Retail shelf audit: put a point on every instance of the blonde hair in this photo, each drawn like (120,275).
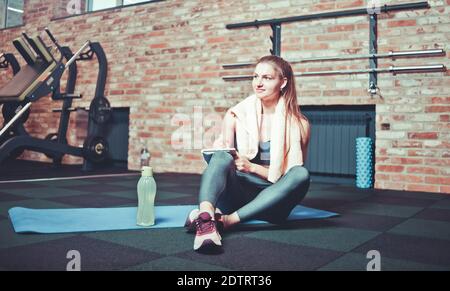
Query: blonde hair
(289,92)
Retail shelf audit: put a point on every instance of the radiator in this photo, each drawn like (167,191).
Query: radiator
(334,130)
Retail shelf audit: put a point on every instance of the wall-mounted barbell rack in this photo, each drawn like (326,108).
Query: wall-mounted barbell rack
(373,55)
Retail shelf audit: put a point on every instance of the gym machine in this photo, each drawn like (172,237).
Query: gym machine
(40,77)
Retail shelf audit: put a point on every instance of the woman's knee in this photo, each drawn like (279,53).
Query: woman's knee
(221,158)
(299,175)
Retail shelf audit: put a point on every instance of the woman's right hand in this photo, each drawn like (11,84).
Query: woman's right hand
(243,164)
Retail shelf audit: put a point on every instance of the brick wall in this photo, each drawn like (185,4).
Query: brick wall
(165,64)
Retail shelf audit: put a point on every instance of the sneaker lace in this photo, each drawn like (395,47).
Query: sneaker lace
(204,226)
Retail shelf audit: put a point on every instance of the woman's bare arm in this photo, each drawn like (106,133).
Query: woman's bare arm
(226,138)
(261,171)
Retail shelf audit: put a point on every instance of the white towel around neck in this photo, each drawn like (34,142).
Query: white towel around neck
(285,147)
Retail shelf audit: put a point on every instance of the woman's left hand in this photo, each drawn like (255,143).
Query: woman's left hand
(243,164)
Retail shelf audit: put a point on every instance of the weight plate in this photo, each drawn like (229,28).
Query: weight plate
(96,149)
(100,110)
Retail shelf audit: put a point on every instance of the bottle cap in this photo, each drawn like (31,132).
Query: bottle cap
(147,171)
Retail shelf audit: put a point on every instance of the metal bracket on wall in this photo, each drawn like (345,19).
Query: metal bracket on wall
(276,39)
(373,49)
(373,55)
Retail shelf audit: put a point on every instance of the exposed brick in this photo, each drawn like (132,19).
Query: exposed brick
(381,159)
(407,144)
(390,168)
(444,189)
(407,178)
(384,177)
(422,188)
(406,161)
(433,109)
(391,185)
(437,162)
(336,93)
(436,144)
(423,135)
(422,153)
(349,4)
(440,100)
(316,46)
(396,23)
(216,39)
(343,27)
(423,170)
(437,180)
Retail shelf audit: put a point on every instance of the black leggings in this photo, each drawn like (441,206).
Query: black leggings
(251,196)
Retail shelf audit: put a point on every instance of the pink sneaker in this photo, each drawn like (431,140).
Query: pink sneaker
(193,215)
(189,224)
(206,235)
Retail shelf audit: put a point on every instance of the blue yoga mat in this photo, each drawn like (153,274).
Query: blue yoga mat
(27,220)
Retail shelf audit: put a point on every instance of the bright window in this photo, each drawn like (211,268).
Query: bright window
(94,5)
(11,13)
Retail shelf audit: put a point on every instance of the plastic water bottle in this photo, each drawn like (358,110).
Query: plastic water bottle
(146,189)
(145,157)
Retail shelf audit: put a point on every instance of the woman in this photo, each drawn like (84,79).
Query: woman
(265,179)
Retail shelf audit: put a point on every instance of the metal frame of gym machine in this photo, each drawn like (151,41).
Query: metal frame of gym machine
(95,149)
(9,60)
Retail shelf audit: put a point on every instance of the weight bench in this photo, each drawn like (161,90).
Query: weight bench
(29,77)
